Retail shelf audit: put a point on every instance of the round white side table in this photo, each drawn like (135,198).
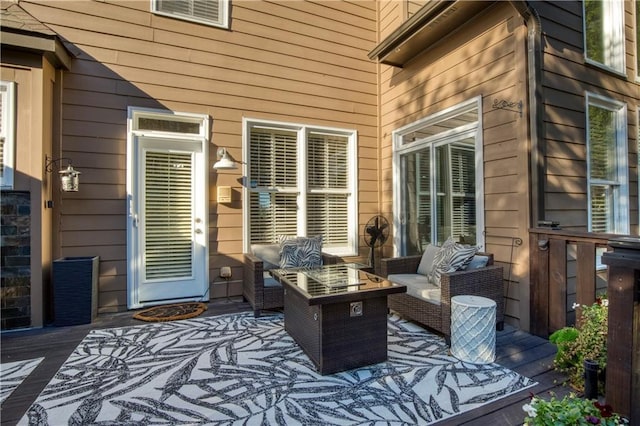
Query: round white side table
(473,329)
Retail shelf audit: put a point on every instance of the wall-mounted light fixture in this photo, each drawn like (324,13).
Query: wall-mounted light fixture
(69,178)
(224,161)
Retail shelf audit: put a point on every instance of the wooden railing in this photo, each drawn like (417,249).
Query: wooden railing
(623,338)
(549,279)
(549,274)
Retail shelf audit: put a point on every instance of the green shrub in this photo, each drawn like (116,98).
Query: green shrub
(586,342)
(569,410)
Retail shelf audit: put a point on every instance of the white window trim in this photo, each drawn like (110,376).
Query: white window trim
(621,219)
(399,149)
(9,133)
(613,9)
(302,132)
(635,37)
(224,15)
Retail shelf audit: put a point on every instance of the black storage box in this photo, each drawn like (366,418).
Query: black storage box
(75,290)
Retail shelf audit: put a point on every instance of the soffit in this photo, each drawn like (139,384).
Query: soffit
(22,31)
(426,28)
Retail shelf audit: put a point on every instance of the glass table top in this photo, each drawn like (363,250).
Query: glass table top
(336,279)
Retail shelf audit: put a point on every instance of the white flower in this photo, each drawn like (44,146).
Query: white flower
(530,409)
(575,306)
(605,302)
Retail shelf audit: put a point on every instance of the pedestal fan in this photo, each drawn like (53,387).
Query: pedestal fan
(376,233)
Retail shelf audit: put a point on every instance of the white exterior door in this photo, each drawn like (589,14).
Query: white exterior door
(167,224)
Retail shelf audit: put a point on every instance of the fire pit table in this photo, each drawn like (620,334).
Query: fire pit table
(337,314)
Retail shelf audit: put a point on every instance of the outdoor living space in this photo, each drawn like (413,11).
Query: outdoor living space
(521,352)
(477,160)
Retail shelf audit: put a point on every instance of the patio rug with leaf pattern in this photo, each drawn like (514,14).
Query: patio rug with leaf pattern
(12,374)
(237,369)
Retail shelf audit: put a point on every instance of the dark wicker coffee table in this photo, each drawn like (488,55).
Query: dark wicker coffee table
(337,314)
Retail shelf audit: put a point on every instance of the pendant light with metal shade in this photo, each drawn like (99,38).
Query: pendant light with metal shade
(224,161)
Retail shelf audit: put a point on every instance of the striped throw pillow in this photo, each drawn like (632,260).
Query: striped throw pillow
(451,257)
(301,252)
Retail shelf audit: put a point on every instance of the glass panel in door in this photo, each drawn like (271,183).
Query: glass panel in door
(456,198)
(416,201)
(170,228)
(168,224)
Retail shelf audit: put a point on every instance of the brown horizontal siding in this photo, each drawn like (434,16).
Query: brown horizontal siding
(574,150)
(94,15)
(253,76)
(565,184)
(501,184)
(302,62)
(390,16)
(108,253)
(414,5)
(309,20)
(501,167)
(75,206)
(576,78)
(566,167)
(482,59)
(566,79)
(93,222)
(501,202)
(571,201)
(478,61)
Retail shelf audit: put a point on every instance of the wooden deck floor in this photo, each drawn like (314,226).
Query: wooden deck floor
(529,355)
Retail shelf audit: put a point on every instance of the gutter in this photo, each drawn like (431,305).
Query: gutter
(537,157)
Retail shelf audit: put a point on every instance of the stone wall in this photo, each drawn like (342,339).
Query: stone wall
(15,253)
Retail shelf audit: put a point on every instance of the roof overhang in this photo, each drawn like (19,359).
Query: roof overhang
(20,31)
(426,28)
(48,46)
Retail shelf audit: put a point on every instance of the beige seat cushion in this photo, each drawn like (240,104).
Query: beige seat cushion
(418,286)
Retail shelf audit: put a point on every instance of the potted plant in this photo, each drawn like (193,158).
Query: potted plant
(587,342)
(569,410)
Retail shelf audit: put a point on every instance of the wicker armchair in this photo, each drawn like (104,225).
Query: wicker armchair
(265,292)
(485,282)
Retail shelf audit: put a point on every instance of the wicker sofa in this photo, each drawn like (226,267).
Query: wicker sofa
(423,307)
(259,288)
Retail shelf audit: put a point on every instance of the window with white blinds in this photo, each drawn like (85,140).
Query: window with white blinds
(607,165)
(301,184)
(7,133)
(328,187)
(211,12)
(463,190)
(273,171)
(168,220)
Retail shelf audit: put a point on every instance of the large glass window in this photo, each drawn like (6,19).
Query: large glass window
(301,182)
(437,183)
(607,166)
(7,133)
(604,33)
